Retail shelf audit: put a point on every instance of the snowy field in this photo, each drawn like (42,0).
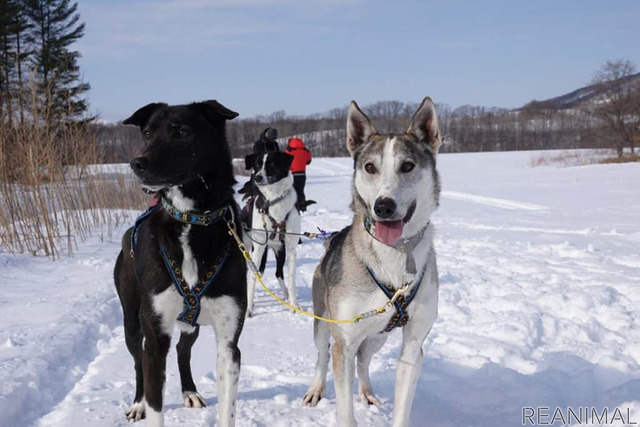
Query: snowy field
(539,307)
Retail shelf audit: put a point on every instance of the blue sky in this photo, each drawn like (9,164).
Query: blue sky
(308,56)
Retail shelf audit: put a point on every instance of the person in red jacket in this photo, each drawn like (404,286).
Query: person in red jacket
(301,158)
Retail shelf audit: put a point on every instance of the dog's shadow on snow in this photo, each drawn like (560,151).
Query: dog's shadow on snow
(451,394)
(293,392)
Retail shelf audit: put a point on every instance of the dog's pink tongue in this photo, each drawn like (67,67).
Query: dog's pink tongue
(154,200)
(388,232)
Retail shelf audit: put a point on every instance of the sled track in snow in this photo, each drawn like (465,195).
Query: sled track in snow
(60,356)
(492,201)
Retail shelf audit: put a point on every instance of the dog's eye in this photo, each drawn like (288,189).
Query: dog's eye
(184,133)
(370,168)
(407,167)
(147,135)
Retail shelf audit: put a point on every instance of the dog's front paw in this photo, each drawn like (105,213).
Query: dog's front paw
(294,302)
(369,398)
(135,411)
(249,312)
(313,395)
(192,399)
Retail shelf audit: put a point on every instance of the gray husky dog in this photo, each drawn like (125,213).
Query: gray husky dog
(388,247)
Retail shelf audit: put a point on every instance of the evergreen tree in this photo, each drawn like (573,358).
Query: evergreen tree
(54,28)
(8,9)
(13,26)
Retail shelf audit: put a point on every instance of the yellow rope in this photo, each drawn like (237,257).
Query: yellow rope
(293,307)
(254,270)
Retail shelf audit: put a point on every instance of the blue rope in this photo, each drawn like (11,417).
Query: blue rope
(323,235)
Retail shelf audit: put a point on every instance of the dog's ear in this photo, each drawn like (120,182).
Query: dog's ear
(141,117)
(424,125)
(359,129)
(249,161)
(214,111)
(287,159)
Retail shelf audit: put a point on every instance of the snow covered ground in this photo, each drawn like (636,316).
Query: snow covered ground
(539,306)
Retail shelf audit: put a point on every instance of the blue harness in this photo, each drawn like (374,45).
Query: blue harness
(136,225)
(190,296)
(400,317)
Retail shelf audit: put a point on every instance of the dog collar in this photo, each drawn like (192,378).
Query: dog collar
(268,203)
(205,219)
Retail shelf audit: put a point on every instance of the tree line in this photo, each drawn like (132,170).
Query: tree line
(464,129)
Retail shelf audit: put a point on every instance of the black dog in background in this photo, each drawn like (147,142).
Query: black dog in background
(178,265)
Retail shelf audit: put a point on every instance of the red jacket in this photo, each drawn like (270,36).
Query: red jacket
(301,156)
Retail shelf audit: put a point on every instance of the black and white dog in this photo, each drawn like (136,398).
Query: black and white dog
(387,251)
(178,265)
(274,211)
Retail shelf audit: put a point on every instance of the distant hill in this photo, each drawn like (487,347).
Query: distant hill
(577,98)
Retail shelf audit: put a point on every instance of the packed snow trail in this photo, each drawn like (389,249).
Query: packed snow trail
(538,307)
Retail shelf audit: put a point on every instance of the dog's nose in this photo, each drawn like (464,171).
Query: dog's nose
(384,207)
(258,178)
(139,165)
